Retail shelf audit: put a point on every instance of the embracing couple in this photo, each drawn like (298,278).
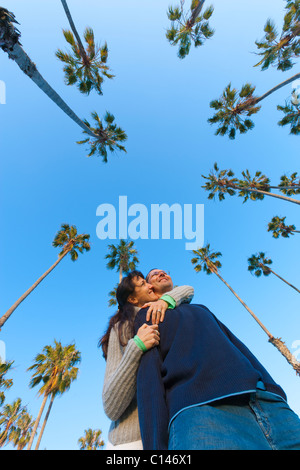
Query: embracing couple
(177,378)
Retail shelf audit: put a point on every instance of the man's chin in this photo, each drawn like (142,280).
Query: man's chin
(163,286)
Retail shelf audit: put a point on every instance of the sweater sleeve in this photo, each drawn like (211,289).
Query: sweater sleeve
(181,294)
(120,376)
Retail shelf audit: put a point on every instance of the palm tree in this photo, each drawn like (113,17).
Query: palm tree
(55,368)
(259,264)
(292,116)
(188,27)
(234,108)
(21,434)
(84,67)
(110,136)
(9,35)
(289,185)
(123,257)
(279,51)
(8,417)
(278,227)
(5,384)
(260,184)
(92,440)
(71,242)
(223,182)
(9,42)
(113,297)
(208,261)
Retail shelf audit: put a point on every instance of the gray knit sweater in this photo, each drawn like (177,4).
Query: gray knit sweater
(119,389)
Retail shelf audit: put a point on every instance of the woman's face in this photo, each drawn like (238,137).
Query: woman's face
(143,292)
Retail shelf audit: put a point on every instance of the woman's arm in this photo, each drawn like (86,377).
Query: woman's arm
(120,376)
(171,299)
(180,294)
(121,369)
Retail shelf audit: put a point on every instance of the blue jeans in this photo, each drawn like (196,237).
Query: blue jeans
(256,421)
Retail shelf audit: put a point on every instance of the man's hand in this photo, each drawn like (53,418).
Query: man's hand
(157,310)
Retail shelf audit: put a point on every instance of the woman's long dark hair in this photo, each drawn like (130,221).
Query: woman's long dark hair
(125,314)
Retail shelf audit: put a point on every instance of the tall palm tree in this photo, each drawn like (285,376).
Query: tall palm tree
(223,182)
(55,368)
(122,257)
(21,434)
(92,440)
(189,26)
(234,108)
(86,67)
(8,417)
(5,383)
(9,42)
(71,242)
(278,227)
(208,261)
(113,135)
(259,264)
(279,51)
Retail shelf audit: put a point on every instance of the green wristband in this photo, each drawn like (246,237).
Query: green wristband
(170,301)
(139,343)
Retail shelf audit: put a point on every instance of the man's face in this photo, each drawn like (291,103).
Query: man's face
(160,281)
(143,292)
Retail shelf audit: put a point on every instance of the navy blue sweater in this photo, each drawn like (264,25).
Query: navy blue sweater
(198,360)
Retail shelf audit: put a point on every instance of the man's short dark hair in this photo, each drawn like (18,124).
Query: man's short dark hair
(147,277)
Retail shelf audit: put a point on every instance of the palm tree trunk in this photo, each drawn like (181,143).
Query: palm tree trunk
(196,12)
(120,274)
(45,422)
(28,67)
(266,193)
(252,101)
(5,432)
(246,307)
(277,87)
(292,186)
(80,45)
(37,422)
(291,285)
(10,422)
(275,341)
(6,316)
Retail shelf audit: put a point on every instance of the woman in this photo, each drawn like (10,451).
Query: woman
(122,352)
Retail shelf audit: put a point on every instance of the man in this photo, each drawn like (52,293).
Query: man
(201,388)
(161,283)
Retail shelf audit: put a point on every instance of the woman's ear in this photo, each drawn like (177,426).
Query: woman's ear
(132,300)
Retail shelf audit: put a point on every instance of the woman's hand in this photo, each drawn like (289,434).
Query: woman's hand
(157,309)
(149,334)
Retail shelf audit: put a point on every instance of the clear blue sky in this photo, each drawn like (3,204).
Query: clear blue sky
(163,105)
